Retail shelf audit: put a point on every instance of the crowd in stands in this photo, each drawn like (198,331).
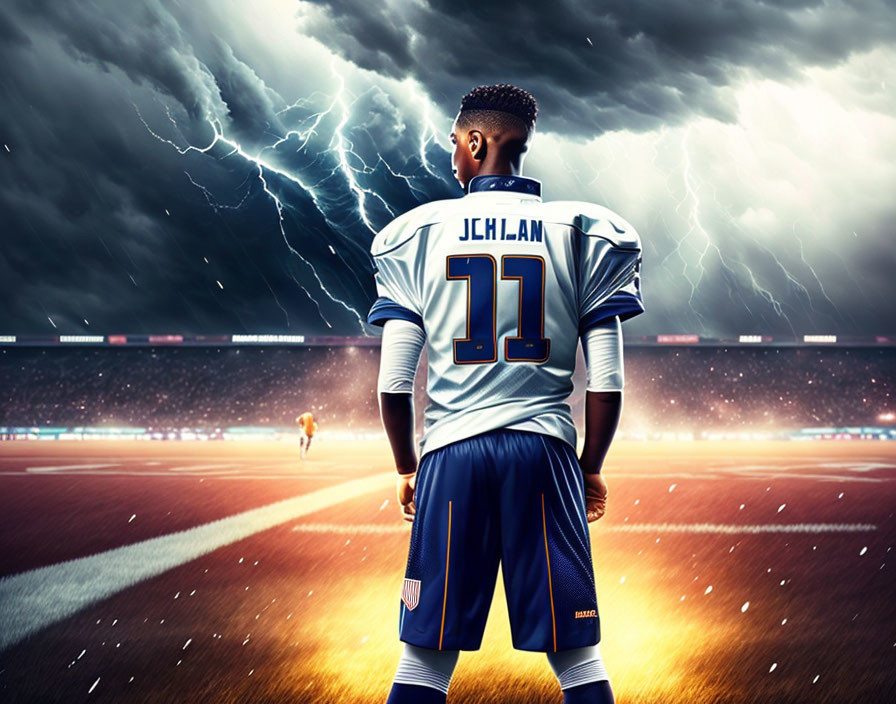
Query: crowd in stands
(667,388)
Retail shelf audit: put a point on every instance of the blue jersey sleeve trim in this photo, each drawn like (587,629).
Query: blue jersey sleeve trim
(384,309)
(622,303)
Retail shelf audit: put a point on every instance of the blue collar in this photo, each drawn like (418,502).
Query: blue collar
(500,182)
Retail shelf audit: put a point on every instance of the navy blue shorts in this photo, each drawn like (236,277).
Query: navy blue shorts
(507,496)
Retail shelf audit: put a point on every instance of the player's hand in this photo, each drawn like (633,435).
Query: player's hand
(595,496)
(405,487)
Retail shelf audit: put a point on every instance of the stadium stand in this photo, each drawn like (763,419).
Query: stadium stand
(668,388)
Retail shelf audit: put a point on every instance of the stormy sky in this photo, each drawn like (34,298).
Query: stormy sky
(221,167)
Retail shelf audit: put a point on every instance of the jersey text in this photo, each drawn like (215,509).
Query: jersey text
(497,229)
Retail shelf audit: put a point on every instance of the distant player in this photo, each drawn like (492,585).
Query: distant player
(500,287)
(307,428)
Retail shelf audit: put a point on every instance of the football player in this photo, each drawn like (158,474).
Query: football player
(500,286)
(307,428)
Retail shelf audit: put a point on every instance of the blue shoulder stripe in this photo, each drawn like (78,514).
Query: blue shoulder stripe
(621,303)
(384,309)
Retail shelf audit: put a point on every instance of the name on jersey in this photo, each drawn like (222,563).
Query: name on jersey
(498,229)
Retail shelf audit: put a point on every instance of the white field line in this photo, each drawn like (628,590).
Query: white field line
(282,476)
(733,528)
(201,467)
(247,473)
(719,528)
(214,472)
(145,459)
(32,600)
(66,467)
(721,474)
(221,474)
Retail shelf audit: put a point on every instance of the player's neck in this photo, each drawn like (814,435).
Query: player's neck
(499,167)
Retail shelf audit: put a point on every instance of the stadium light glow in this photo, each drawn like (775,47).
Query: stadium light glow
(165,339)
(815,339)
(678,339)
(255,339)
(92,339)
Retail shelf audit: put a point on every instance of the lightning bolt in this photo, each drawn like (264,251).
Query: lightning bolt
(699,241)
(348,165)
(427,135)
(692,218)
(691,202)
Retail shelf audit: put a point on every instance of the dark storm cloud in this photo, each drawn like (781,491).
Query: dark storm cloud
(144,41)
(106,223)
(9,32)
(372,35)
(107,216)
(647,64)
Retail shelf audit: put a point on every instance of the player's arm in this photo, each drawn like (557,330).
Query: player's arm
(397,259)
(400,353)
(397,411)
(602,348)
(609,287)
(602,411)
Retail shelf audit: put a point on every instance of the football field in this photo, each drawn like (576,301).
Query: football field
(227,572)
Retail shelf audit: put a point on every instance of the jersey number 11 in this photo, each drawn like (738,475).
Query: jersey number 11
(480,346)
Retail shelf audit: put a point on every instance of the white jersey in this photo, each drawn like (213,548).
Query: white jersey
(503,284)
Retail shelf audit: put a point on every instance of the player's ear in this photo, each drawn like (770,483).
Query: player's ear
(477,145)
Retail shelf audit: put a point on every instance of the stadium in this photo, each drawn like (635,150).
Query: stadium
(678,387)
(157,488)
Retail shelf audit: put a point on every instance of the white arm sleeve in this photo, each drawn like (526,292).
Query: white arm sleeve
(602,346)
(400,352)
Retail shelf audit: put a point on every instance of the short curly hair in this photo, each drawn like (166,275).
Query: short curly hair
(503,97)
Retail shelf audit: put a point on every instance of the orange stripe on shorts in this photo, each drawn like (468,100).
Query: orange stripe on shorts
(447,558)
(544,525)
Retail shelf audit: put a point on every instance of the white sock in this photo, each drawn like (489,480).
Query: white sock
(578,666)
(426,667)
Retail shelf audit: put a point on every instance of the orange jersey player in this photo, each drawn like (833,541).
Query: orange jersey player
(308,427)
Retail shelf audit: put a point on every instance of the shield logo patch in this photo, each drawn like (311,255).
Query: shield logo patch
(410,593)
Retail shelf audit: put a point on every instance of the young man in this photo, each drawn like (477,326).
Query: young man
(500,286)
